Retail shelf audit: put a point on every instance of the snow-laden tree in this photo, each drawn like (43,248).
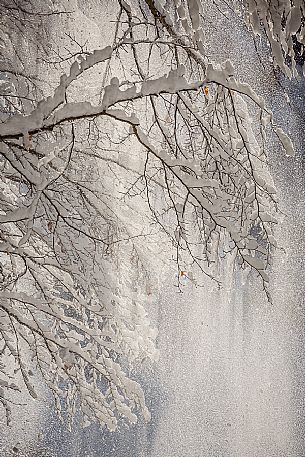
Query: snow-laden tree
(67,190)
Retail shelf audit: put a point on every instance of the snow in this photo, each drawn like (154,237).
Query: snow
(286,142)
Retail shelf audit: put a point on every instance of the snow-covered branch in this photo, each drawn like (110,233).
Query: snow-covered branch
(284,25)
